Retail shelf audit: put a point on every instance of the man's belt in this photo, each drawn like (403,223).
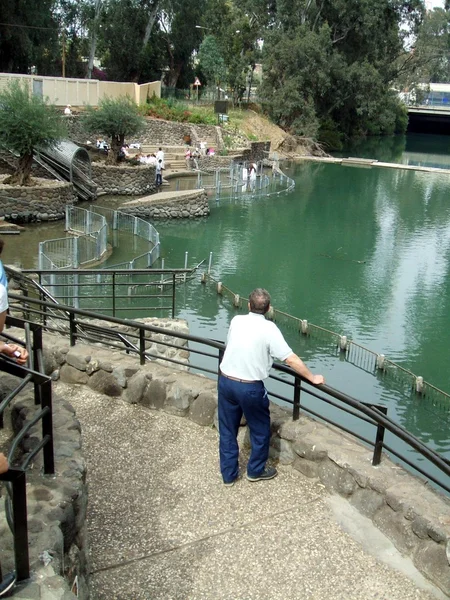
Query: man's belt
(240,380)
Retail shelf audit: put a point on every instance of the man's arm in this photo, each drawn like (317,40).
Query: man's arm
(3,463)
(299,367)
(14,351)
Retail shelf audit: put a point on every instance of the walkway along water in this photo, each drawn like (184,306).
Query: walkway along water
(163,525)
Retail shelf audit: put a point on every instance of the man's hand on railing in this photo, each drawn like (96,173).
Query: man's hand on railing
(3,463)
(19,353)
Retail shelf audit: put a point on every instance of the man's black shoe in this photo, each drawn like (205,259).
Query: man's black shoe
(8,583)
(268,473)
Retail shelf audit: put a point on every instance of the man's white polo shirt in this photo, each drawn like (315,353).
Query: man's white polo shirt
(3,298)
(252,344)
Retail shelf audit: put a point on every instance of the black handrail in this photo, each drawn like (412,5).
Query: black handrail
(15,477)
(374,414)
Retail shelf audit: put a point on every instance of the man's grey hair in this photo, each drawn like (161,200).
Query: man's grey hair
(259,301)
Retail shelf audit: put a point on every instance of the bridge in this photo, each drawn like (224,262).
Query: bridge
(432,113)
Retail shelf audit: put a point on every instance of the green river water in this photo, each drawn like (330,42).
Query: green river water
(364,252)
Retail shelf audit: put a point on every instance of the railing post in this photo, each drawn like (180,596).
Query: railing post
(114,293)
(221,353)
(142,346)
(72,329)
(21,555)
(173,295)
(297,390)
(378,448)
(47,427)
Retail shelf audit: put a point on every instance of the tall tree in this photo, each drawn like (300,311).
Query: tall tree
(211,62)
(115,118)
(30,37)
(343,57)
(27,123)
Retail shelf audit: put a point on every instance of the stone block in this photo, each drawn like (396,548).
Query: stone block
(306,467)
(154,395)
(367,501)
(306,448)
(336,478)
(396,527)
(432,561)
(282,449)
(78,357)
(202,408)
(135,388)
(69,374)
(105,383)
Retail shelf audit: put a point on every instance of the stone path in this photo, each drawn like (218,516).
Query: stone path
(163,526)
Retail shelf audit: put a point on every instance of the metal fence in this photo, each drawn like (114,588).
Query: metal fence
(123,222)
(87,246)
(235,182)
(354,353)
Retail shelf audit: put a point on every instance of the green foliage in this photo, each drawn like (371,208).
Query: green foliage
(173,110)
(321,66)
(114,118)
(27,123)
(211,61)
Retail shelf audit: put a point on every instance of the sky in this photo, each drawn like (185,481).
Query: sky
(435,3)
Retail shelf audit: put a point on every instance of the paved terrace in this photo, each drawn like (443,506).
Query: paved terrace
(162,525)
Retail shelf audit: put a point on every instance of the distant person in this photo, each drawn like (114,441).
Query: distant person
(187,158)
(159,168)
(252,177)
(252,344)
(123,152)
(160,157)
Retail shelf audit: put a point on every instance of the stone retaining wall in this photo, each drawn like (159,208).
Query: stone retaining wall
(56,505)
(45,202)
(163,206)
(124,179)
(157,131)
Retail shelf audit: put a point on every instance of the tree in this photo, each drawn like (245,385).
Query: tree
(115,118)
(29,36)
(336,63)
(27,123)
(211,61)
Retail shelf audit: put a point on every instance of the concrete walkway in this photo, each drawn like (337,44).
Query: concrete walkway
(163,526)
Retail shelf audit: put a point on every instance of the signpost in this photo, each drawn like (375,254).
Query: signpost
(197,84)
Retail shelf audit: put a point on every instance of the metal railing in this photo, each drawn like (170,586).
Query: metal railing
(89,244)
(204,357)
(354,353)
(235,182)
(15,477)
(115,291)
(119,221)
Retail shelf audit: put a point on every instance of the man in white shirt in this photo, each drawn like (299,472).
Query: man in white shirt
(252,344)
(160,157)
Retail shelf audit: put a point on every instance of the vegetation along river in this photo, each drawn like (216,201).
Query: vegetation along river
(364,252)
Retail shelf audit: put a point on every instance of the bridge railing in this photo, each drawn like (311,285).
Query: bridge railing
(288,387)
